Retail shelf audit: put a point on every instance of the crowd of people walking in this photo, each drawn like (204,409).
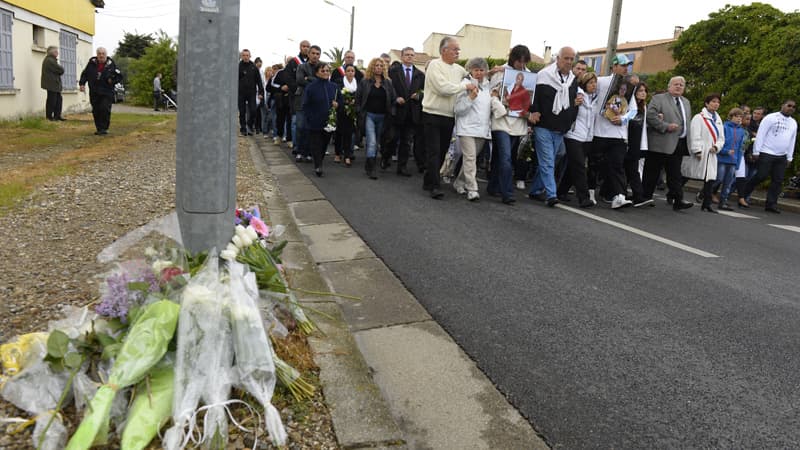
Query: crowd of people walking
(605,138)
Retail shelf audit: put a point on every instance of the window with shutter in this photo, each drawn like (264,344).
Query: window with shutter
(68,55)
(6,50)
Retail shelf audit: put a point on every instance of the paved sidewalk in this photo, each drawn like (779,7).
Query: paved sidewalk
(392,377)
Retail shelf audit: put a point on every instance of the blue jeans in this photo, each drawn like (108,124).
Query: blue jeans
(301,135)
(548,143)
(374,127)
(501,176)
(726,175)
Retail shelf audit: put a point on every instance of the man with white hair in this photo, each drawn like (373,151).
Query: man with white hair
(51,82)
(553,111)
(668,116)
(101,74)
(444,79)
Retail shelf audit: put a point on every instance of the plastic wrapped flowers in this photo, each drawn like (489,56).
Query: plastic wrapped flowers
(170,337)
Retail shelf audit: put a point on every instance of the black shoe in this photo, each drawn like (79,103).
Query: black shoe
(679,205)
(772,209)
(552,201)
(385,163)
(403,173)
(318,172)
(437,194)
(421,169)
(538,197)
(249,133)
(725,207)
(508,201)
(565,198)
(708,208)
(60,119)
(96,133)
(586,203)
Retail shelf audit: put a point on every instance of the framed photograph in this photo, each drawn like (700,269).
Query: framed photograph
(518,88)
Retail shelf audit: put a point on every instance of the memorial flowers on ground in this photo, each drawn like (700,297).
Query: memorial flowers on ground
(174,339)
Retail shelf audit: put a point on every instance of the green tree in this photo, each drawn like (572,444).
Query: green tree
(133,45)
(161,58)
(749,54)
(336,55)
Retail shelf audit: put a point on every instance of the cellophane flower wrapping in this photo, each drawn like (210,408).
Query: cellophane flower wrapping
(201,351)
(254,366)
(219,382)
(151,407)
(56,435)
(143,347)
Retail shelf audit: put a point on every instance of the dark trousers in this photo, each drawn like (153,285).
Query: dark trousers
(283,122)
(575,174)
(597,160)
(156,99)
(614,151)
(101,109)
(405,134)
(247,111)
(438,131)
(654,162)
(770,166)
(318,141)
(52,106)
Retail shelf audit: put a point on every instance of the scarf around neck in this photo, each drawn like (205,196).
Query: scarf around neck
(550,76)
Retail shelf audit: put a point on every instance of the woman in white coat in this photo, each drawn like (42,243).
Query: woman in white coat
(473,112)
(707,138)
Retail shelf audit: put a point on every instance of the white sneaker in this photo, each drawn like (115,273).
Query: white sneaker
(472,196)
(521,185)
(290,144)
(620,201)
(283,139)
(446,180)
(591,196)
(276,140)
(460,190)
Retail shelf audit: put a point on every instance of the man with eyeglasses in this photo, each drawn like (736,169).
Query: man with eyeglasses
(773,150)
(408,82)
(444,79)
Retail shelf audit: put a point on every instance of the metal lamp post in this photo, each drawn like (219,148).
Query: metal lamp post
(352,13)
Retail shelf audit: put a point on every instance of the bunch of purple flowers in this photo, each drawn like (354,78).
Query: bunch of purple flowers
(125,287)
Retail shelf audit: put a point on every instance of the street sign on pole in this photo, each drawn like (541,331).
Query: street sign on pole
(205,181)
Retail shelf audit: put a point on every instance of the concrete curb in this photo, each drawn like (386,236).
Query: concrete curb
(757,199)
(394,378)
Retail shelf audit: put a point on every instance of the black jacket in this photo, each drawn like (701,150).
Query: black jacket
(543,100)
(101,83)
(362,94)
(249,79)
(412,107)
(338,75)
(51,74)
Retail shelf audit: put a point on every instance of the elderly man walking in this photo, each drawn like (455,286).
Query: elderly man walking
(51,82)
(773,150)
(554,109)
(101,74)
(667,135)
(443,81)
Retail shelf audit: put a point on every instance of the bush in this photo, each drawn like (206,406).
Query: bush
(161,57)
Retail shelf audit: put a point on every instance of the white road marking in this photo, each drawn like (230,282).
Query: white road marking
(639,232)
(786,227)
(737,215)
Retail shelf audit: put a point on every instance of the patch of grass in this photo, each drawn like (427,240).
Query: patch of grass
(36,123)
(11,192)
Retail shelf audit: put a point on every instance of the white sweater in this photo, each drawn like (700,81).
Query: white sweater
(442,82)
(776,136)
(583,128)
(474,116)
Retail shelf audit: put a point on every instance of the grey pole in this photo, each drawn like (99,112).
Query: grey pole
(205,181)
(613,35)
(352,22)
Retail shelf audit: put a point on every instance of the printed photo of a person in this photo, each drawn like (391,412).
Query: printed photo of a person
(518,89)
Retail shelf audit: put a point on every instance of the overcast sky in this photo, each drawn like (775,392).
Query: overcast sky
(271,31)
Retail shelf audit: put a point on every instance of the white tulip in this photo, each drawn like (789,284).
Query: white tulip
(237,241)
(251,232)
(240,231)
(232,248)
(228,255)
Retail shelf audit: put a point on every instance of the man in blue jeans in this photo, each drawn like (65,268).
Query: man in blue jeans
(554,109)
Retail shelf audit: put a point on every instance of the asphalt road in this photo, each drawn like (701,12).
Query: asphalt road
(601,335)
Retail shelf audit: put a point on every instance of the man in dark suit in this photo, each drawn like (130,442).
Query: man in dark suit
(408,82)
(338,73)
(668,116)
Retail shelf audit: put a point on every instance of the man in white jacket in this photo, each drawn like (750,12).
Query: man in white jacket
(774,149)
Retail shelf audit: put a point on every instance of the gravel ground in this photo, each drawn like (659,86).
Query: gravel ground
(52,237)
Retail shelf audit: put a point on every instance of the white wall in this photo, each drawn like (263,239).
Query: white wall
(28,98)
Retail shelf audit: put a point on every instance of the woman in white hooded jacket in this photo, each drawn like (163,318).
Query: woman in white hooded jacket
(473,114)
(578,141)
(707,138)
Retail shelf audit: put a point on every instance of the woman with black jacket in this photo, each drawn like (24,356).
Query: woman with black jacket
(375,100)
(318,99)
